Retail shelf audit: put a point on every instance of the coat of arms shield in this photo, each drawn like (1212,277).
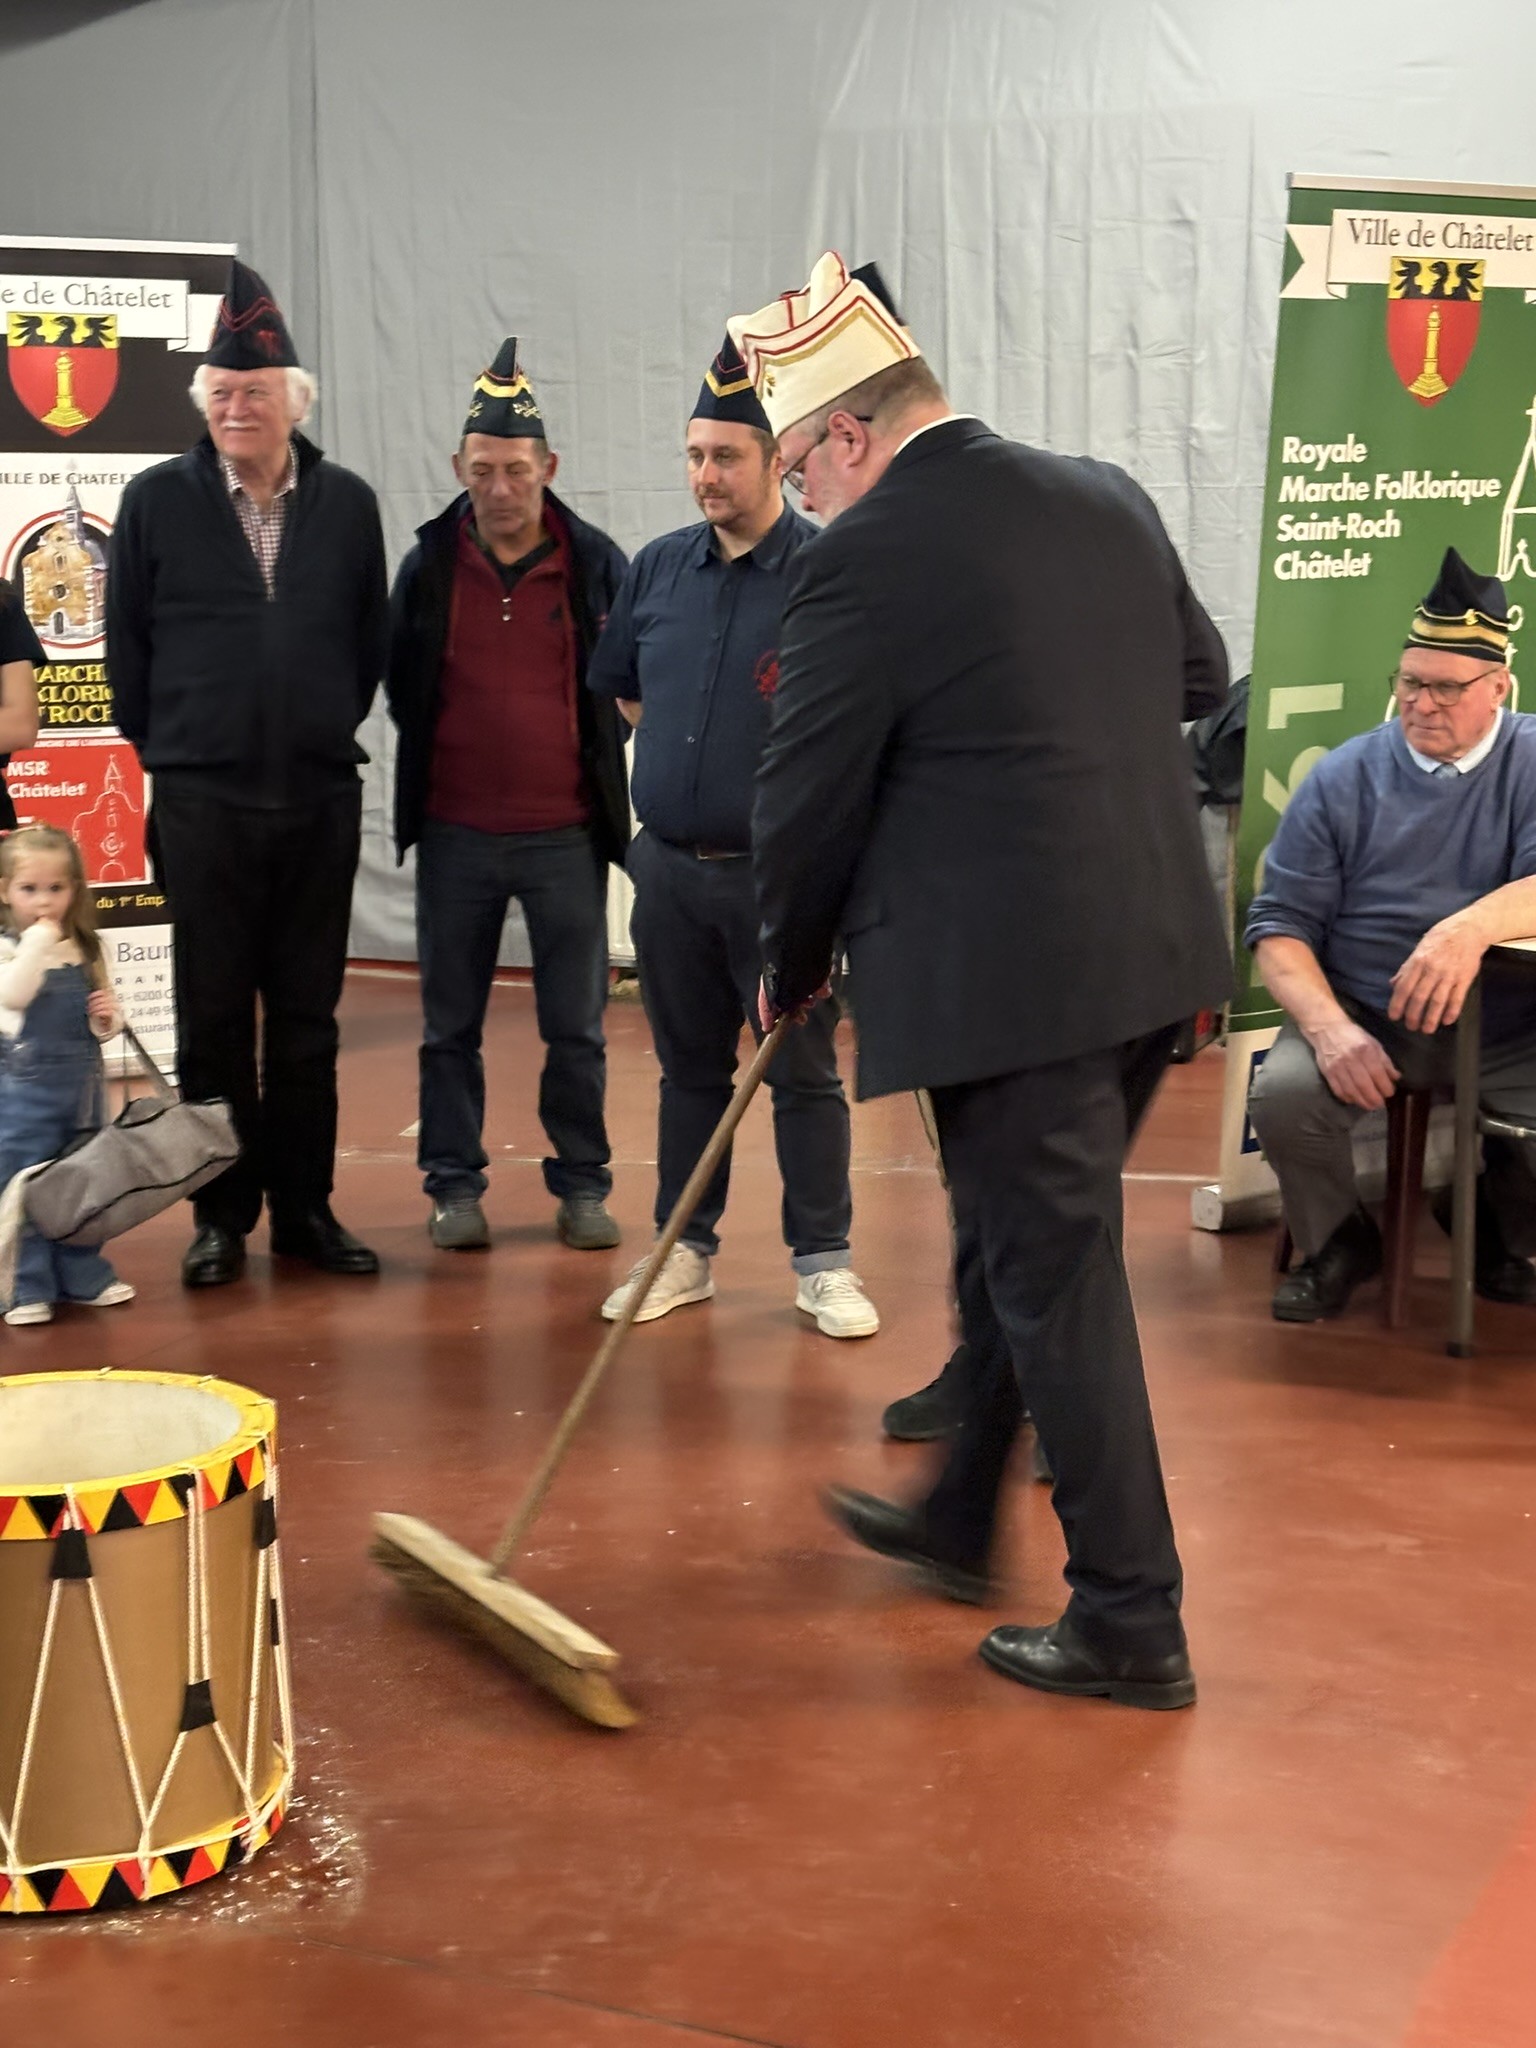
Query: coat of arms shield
(1433,313)
(63,366)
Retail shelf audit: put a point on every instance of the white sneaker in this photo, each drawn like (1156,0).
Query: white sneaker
(111,1297)
(837,1300)
(29,1312)
(683,1278)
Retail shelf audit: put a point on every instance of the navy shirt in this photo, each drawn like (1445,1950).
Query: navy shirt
(695,639)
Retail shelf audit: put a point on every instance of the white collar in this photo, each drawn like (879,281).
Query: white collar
(1468,761)
(948,420)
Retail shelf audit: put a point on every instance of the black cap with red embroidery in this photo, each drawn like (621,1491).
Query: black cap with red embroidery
(249,333)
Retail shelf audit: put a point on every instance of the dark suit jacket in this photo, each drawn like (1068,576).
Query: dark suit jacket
(975,773)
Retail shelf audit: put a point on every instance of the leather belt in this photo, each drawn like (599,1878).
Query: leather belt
(711,852)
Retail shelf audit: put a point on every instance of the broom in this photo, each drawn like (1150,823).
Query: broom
(541,1642)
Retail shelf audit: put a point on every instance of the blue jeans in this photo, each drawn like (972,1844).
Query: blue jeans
(50,1082)
(464,882)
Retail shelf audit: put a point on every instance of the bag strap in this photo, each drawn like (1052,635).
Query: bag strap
(157,1080)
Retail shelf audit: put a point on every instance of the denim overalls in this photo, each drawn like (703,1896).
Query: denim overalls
(50,1089)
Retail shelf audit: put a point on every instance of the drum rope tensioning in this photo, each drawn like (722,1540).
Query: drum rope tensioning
(145,1717)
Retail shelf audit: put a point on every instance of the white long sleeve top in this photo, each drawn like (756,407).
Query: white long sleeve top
(25,959)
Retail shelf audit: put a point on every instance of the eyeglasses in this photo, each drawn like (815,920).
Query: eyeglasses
(1446,695)
(795,478)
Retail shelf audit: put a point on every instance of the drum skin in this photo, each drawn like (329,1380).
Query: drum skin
(200,1700)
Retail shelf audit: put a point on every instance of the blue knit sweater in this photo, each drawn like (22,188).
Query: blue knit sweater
(1373,850)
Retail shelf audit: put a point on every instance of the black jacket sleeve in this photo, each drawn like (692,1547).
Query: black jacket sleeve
(373,609)
(130,599)
(1206,674)
(833,714)
(1206,671)
(400,679)
(610,582)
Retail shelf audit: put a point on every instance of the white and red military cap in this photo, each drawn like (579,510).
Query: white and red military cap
(808,347)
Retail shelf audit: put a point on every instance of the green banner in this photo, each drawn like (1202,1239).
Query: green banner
(1404,422)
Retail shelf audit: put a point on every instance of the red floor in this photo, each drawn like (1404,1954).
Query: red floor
(834,1828)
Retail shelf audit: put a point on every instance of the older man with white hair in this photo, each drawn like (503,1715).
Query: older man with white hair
(246,632)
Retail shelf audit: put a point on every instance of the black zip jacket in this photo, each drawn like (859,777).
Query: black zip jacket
(207,670)
(418,636)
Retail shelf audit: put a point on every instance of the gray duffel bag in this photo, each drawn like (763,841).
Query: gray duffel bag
(155,1151)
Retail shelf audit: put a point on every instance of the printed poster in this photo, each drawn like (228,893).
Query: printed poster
(1403,423)
(101,340)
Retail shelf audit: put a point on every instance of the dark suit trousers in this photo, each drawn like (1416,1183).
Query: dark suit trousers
(260,901)
(1033,1161)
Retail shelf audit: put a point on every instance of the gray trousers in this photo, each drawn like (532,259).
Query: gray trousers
(1305,1129)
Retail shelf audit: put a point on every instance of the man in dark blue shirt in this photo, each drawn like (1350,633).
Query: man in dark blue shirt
(691,654)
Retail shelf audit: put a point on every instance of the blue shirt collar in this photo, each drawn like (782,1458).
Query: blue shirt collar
(767,555)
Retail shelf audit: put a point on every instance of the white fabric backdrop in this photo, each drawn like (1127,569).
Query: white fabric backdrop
(1079,203)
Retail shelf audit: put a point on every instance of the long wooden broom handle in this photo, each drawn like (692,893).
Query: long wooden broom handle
(533,1499)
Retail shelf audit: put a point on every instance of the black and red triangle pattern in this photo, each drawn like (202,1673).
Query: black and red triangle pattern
(95,1887)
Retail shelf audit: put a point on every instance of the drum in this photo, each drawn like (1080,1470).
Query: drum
(145,1722)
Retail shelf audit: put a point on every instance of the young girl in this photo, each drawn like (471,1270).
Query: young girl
(54,1009)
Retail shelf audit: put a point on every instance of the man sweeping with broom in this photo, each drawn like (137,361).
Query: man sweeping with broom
(974,776)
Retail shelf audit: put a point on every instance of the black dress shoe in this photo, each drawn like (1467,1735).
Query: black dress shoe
(1057,1659)
(213,1257)
(891,1531)
(1498,1274)
(1321,1286)
(933,1412)
(1506,1279)
(318,1237)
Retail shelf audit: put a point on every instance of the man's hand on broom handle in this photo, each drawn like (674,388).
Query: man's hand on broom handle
(769,1013)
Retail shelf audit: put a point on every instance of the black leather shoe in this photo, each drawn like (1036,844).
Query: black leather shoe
(213,1257)
(1507,1279)
(1321,1286)
(1498,1273)
(891,1531)
(1057,1659)
(320,1239)
(933,1412)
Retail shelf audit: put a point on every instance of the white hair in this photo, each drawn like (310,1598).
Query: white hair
(303,390)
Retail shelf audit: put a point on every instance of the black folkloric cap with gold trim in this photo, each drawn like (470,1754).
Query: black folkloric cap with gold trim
(727,393)
(502,402)
(250,332)
(1463,614)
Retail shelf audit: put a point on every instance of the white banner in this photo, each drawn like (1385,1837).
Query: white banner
(1361,244)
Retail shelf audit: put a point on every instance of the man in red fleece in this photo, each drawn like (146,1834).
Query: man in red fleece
(510,784)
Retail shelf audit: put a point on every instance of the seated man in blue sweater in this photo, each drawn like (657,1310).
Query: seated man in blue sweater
(1402,857)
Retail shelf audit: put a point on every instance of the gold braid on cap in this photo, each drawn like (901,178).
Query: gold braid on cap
(1464,632)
